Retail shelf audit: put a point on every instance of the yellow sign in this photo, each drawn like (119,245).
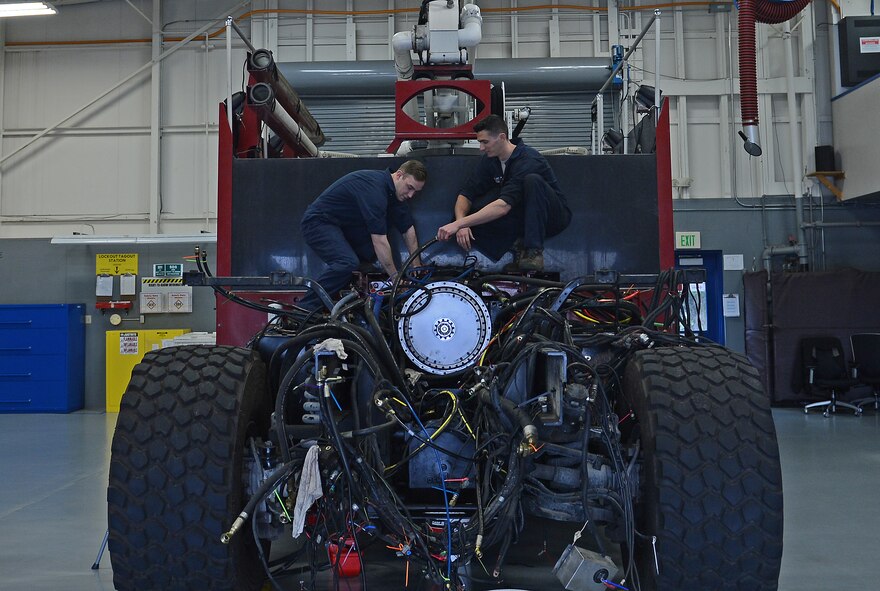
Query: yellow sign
(116,264)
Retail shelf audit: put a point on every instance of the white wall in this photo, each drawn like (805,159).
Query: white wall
(93,173)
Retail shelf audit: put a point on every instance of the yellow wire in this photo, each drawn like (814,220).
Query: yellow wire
(468,427)
(283,508)
(585,317)
(435,433)
(492,340)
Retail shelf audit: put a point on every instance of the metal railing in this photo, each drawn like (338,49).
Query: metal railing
(599,101)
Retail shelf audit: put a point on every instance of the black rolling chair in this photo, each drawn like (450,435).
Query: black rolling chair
(825,369)
(866,361)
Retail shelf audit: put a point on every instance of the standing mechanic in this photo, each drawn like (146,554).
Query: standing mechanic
(348,223)
(515,198)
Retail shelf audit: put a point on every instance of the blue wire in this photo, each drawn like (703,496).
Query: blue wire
(377,306)
(615,585)
(445,492)
(333,396)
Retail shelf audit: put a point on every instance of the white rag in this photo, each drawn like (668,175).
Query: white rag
(334,346)
(309,490)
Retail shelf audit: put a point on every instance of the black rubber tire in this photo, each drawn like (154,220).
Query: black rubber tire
(711,484)
(176,471)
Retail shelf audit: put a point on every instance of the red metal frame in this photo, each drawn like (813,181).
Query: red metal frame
(664,190)
(407,128)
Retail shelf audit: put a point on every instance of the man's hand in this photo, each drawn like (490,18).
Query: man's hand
(464,238)
(448,231)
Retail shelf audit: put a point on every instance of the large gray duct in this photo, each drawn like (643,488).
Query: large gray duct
(377,77)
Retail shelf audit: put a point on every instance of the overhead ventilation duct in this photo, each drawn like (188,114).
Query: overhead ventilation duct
(261,97)
(751,11)
(261,65)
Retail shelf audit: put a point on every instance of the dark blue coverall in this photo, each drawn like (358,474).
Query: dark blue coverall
(528,184)
(338,225)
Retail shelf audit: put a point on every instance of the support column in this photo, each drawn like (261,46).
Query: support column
(310,31)
(350,34)
(271,25)
(797,170)
(155,122)
(613,25)
(683,153)
(391,30)
(514,30)
(809,112)
(724,108)
(554,31)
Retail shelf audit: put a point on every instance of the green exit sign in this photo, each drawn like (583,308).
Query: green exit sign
(687,240)
(168,270)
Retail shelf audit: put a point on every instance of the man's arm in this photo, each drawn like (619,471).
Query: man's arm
(412,245)
(462,208)
(383,253)
(493,211)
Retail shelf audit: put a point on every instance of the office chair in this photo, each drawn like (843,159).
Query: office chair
(824,369)
(866,363)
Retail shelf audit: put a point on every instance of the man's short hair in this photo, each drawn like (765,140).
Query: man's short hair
(415,169)
(493,124)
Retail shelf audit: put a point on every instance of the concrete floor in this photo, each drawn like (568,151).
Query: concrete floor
(53,478)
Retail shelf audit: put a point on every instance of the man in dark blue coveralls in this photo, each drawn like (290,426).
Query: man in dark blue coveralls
(348,223)
(515,199)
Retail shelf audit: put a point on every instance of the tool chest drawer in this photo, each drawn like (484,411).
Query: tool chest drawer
(42,357)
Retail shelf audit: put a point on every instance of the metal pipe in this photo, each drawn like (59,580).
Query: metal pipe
(772,251)
(629,53)
(261,97)
(122,82)
(598,99)
(657,66)
(229,72)
(795,142)
(262,66)
(377,77)
(811,225)
(155,197)
(243,36)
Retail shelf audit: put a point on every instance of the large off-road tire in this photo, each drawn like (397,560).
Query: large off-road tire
(176,471)
(711,485)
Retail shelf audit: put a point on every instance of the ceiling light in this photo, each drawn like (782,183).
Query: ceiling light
(26,9)
(141,239)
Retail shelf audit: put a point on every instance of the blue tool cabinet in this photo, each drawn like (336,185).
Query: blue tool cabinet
(42,358)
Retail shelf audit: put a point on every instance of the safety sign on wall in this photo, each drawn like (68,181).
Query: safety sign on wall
(128,343)
(168,270)
(116,264)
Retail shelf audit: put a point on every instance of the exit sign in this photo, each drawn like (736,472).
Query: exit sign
(687,240)
(168,270)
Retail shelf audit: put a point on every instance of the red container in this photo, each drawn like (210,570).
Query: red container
(345,558)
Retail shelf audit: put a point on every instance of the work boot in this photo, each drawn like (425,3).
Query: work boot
(532,259)
(513,266)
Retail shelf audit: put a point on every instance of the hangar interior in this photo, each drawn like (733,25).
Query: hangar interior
(114,169)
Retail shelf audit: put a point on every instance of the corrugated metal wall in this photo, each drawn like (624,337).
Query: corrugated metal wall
(365,125)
